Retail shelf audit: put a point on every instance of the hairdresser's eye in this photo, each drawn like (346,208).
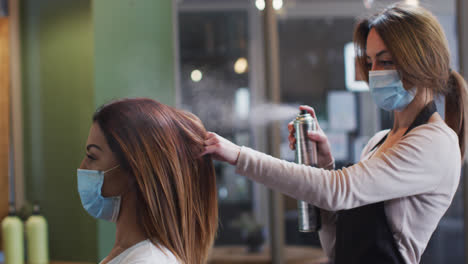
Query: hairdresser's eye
(387,63)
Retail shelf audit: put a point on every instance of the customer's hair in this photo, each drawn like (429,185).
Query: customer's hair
(160,147)
(419,48)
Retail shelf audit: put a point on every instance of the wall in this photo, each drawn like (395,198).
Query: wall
(78,54)
(4,117)
(58,101)
(134,49)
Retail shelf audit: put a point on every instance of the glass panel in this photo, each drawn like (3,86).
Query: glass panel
(312,65)
(313,37)
(214,86)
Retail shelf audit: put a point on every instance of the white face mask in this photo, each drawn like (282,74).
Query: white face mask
(89,187)
(388,92)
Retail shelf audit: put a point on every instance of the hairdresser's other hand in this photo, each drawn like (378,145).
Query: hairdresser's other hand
(325,157)
(221,148)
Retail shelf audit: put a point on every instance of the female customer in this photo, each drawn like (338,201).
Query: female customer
(143,171)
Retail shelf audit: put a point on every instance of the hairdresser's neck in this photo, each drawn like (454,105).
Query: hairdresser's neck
(402,120)
(129,229)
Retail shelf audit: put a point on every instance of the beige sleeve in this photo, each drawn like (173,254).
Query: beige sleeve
(415,165)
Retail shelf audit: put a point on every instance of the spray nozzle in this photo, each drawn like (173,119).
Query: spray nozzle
(303,112)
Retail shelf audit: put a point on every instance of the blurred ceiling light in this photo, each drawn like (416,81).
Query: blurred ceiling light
(196,75)
(412,2)
(241,65)
(368,3)
(277,4)
(260,4)
(223,193)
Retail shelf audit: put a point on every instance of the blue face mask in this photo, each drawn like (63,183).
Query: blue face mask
(388,92)
(89,187)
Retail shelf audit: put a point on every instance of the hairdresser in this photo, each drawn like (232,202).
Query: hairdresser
(385,208)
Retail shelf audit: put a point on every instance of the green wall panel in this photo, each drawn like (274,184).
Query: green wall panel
(57,52)
(134,50)
(77,55)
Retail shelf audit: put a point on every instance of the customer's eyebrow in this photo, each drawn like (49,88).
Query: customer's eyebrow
(93,146)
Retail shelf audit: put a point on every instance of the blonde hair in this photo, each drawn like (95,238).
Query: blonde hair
(160,147)
(419,48)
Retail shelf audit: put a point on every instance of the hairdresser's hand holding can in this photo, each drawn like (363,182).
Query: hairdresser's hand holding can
(324,156)
(309,219)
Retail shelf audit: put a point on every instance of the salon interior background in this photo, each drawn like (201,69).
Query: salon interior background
(60,59)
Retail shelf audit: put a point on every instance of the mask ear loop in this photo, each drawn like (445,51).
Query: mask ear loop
(111,169)
(130,189)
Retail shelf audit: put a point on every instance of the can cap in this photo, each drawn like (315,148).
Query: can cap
(36,209)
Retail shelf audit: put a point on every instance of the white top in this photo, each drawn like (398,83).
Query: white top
(145,252)
(417,177)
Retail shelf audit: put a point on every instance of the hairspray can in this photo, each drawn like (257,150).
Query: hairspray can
(306,153)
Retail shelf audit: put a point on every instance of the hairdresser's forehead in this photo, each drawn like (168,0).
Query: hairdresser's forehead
(96,137)
(375,44)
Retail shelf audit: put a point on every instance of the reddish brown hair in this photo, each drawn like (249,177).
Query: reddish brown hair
(160,146)
(418,45)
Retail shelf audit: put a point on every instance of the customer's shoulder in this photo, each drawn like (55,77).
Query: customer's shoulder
(149,253)
(160,253)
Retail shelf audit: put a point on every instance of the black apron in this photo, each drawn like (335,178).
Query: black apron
(363,235)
